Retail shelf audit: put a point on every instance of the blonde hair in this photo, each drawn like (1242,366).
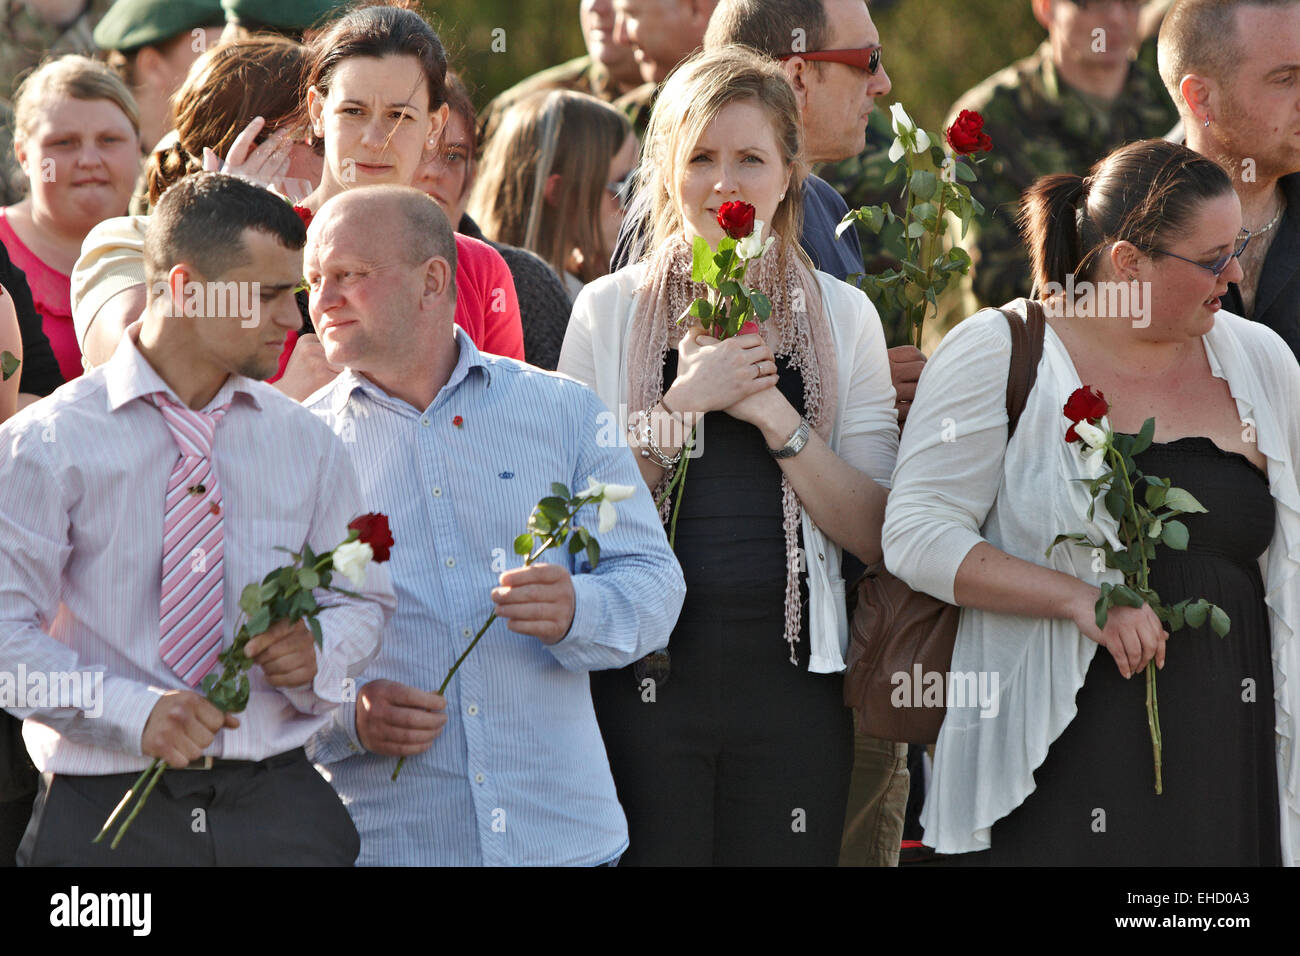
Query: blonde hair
(74,76)
(692,96)
(551,132)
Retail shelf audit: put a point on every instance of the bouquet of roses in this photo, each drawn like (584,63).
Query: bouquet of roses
(933,185)
(552,523)
(1142,522)
(285,594)
(730,308)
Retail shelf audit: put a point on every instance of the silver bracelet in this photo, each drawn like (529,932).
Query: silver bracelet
(795,443)
(643,431)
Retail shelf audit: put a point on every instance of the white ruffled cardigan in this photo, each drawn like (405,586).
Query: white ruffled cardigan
(865,432)
(956,484)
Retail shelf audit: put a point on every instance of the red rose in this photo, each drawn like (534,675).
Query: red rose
(304,214)
(1086,404)
(966,135)
(372,529)
(458,421)
(736,219)
(748,328)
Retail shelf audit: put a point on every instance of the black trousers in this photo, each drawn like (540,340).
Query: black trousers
(275,812)
(740,759)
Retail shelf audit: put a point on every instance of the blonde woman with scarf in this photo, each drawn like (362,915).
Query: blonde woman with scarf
(738,749)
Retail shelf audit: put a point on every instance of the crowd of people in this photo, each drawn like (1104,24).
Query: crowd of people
(265,268)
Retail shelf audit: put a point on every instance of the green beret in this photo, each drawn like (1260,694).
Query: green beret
(130,24)
(284,14)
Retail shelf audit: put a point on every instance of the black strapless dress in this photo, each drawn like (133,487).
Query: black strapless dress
(1095,802)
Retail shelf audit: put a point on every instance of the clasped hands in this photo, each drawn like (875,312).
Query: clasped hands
(734,375)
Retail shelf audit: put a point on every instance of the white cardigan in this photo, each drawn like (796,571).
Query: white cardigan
(865,431)
(956,485)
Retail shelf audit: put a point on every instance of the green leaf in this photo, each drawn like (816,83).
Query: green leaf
(1174,535)
(259,622)
(701,259)
(1143,440)
(1115,503)
(923,185)
(1103,604)
(1126,596)
(1155,496)
(701,309)
(1196,613)
(250,598)
(308,578)
(762,305)
(560,491)
(524,544)
(575,543)
(915,230)
(1181,500)
(965,173)
(729,287)
(593,552)
(1219,620)
(309,557)
(8,364)
(314,626)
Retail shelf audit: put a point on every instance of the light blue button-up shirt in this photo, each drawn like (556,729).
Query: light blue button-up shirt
(519,774)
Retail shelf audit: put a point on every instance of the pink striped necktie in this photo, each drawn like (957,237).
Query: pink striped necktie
(190,626)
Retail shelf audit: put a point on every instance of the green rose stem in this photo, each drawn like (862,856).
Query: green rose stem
(1153,709)
(555,536)
(676,483)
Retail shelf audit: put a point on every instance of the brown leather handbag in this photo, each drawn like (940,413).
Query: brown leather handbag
(895,630)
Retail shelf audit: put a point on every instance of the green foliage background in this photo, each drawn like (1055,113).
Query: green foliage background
(934,49)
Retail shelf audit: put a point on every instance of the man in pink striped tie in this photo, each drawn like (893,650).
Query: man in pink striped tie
(135,504)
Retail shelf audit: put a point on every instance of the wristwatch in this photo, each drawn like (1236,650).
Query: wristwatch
(796,442)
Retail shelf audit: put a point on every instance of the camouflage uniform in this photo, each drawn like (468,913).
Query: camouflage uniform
(25,40)
(581,75)
(1039,125)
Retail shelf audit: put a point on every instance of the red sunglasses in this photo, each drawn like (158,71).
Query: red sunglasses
(864,58)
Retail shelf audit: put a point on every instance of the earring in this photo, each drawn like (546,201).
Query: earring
(1207,120)
(782,199)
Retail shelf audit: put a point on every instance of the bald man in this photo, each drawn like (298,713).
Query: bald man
(457,446)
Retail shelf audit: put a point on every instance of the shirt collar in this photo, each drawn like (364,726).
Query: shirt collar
(128,375)
(468,359)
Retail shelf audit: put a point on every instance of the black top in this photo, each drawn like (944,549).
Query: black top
(544,305)
(1215,695)
(40,369)
(1277,298)
(730,539)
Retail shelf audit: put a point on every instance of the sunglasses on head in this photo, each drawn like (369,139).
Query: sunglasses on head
(865,58)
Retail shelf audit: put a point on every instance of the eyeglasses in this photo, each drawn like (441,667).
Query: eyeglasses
(864,58)
(1086,4)
(1215,268)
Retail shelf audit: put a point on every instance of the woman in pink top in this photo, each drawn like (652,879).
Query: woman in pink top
(77,136)
(376,99)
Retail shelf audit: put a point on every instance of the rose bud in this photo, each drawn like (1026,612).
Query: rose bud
(736,219)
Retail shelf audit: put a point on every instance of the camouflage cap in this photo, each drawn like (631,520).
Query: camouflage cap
(131,24)
(284,14)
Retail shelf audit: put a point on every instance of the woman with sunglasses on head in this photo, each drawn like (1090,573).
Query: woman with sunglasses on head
(448,175)
(1130,264)
(737,749)
(552,181)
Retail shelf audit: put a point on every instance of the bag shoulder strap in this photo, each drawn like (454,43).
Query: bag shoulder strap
(1026,351)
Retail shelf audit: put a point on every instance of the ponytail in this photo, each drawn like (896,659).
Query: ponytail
(1052,212)
(166,167)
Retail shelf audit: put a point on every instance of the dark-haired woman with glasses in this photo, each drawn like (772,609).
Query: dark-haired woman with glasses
(1130,263)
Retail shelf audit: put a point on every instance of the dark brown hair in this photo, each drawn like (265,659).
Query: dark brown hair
(377,32)
(227,88)
(1140,193)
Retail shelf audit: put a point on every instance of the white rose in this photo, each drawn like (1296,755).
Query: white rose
(350,560)
(607,495)
(753,246)
(1092,436)
(903,125)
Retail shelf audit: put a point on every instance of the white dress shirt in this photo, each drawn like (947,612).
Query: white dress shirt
(959,482)
(82,480)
